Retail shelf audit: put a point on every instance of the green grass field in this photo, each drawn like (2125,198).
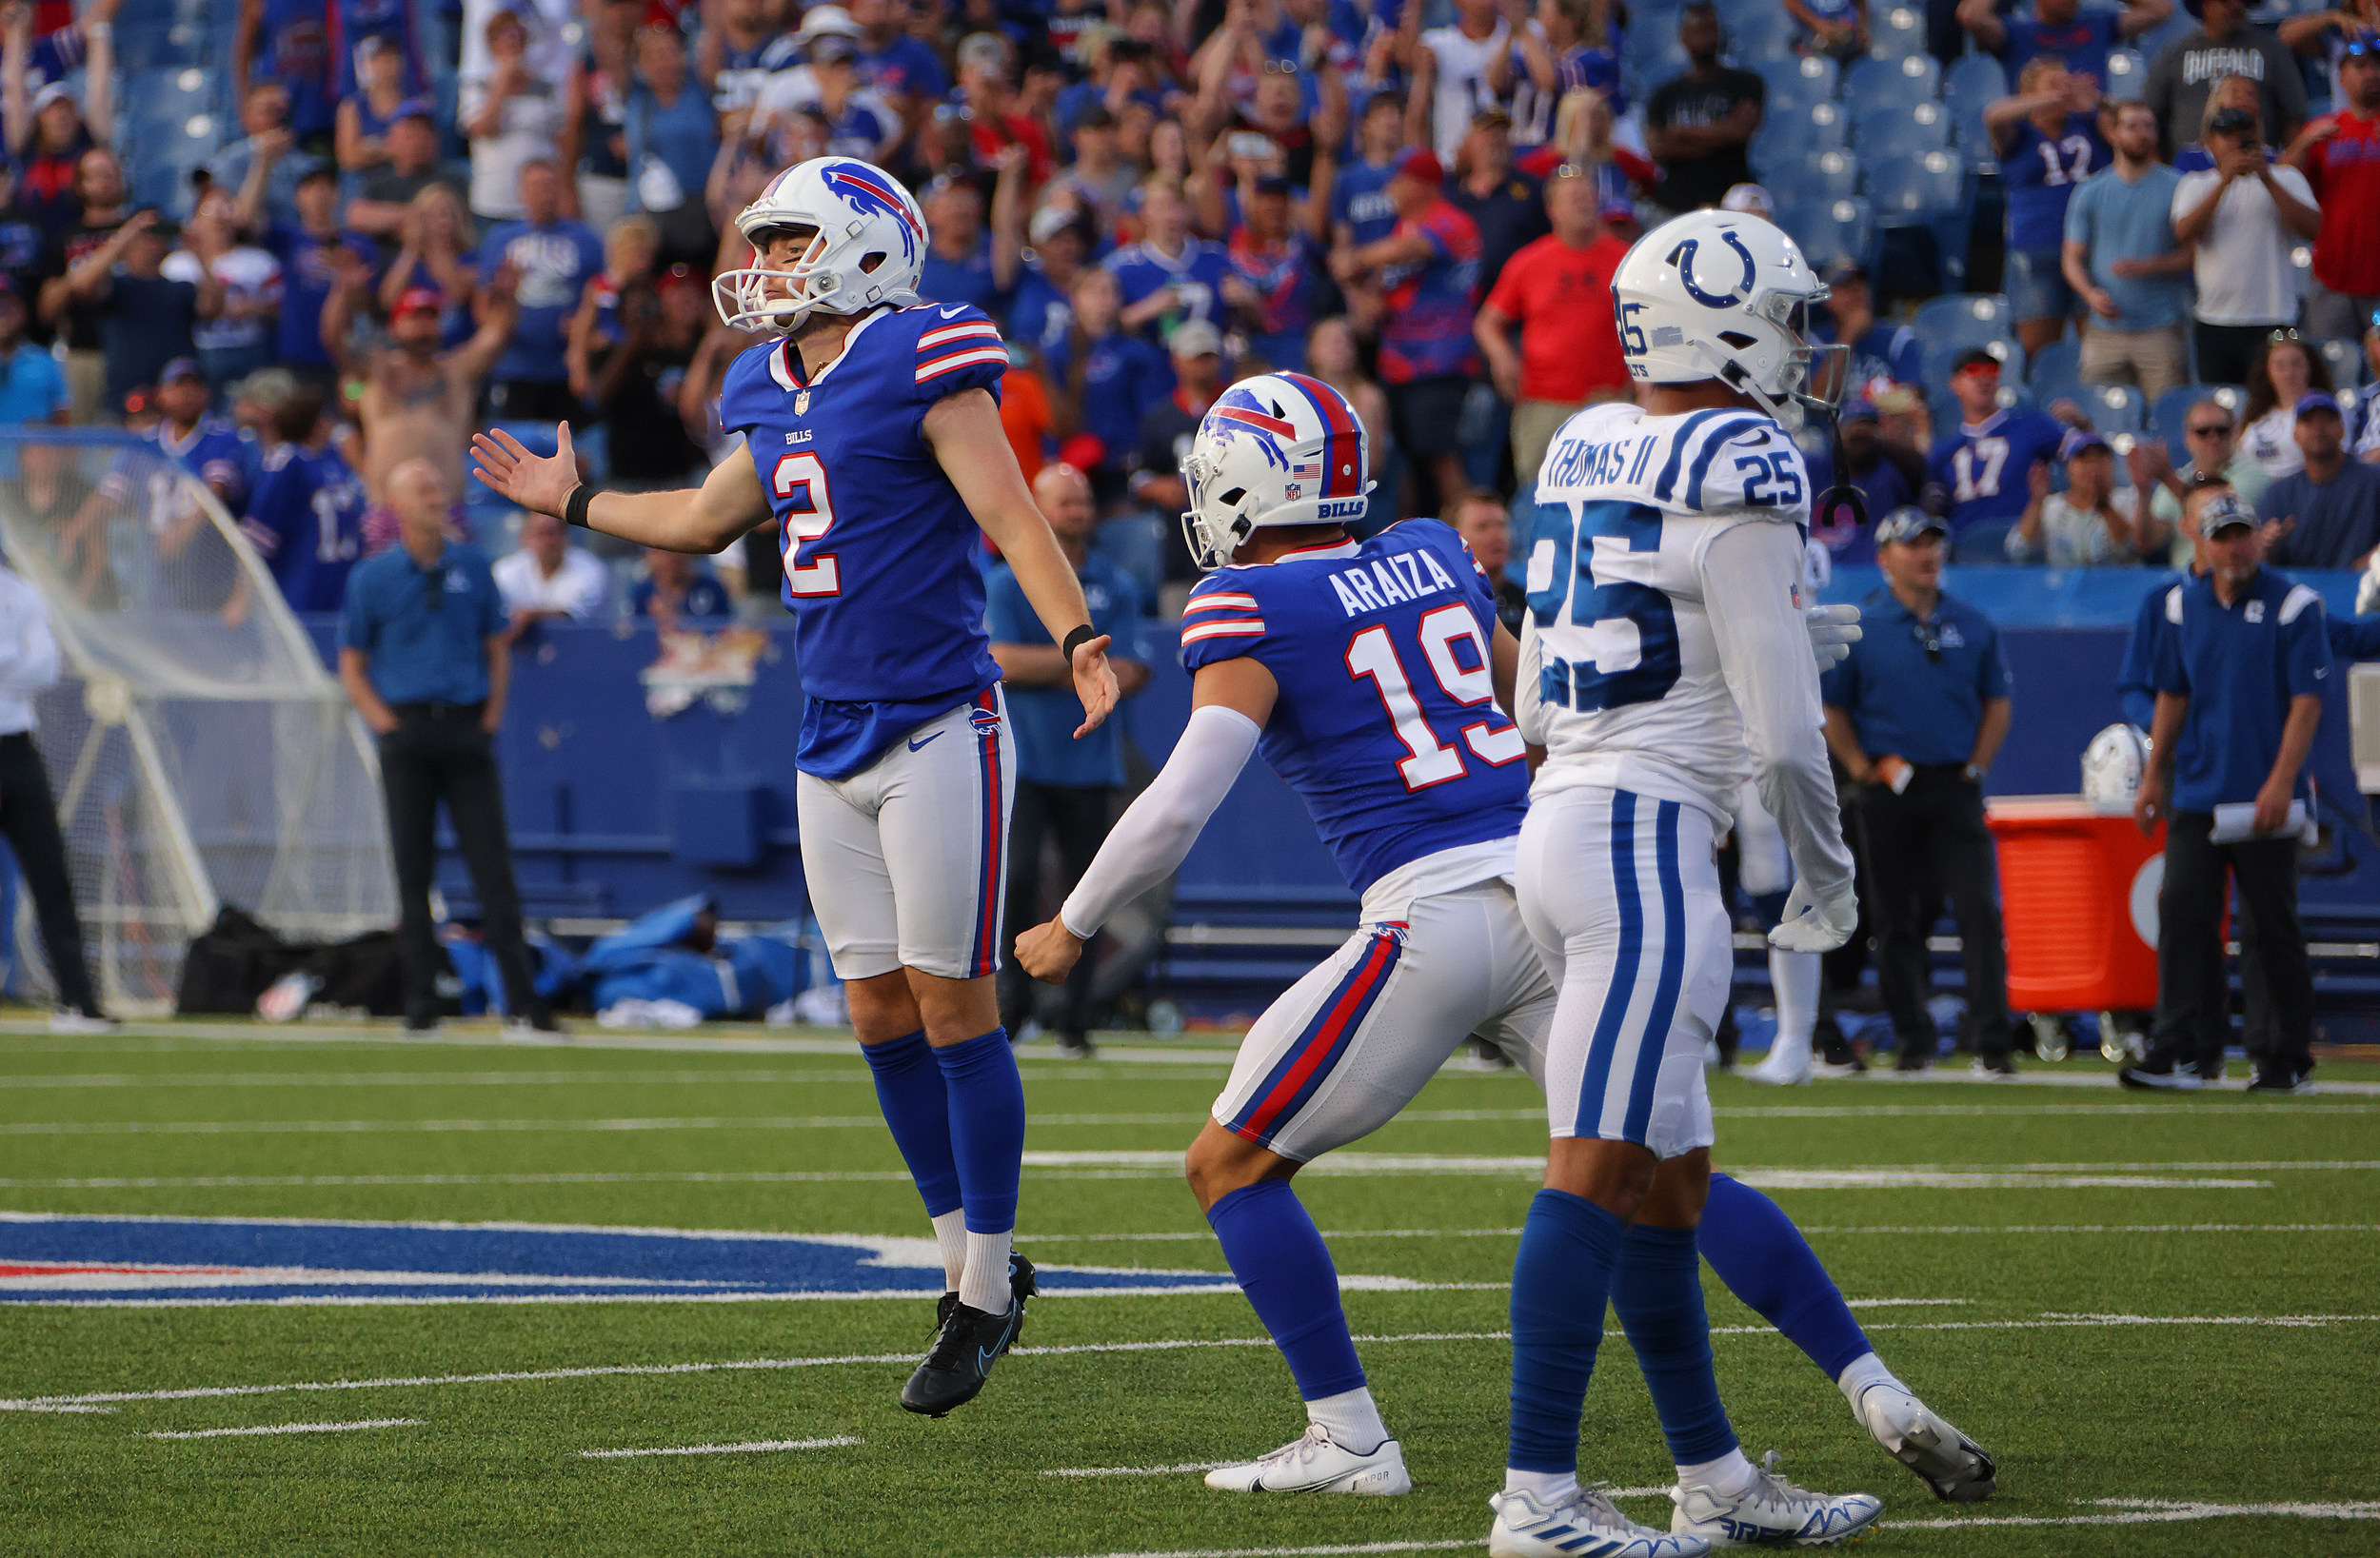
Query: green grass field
(2165,1299)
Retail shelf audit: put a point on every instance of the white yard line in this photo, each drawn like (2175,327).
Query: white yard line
(755,1447)
(110,1399)
(289,1427)
(1184,1469)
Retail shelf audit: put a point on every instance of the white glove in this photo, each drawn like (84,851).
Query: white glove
(1812,926)
(2368,592)
(1834,629)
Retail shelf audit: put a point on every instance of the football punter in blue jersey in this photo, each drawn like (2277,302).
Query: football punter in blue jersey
(1370,677)
(871,428)
(1980,472)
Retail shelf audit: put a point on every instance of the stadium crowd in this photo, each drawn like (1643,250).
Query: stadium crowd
(412,222)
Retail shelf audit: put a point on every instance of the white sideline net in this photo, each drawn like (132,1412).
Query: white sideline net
(200,752)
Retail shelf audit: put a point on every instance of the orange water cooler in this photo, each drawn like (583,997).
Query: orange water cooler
(2078,893)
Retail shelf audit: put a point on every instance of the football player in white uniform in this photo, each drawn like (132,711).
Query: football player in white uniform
(1663,661)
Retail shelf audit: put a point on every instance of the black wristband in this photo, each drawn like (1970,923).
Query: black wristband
(1076,639)
(574,511)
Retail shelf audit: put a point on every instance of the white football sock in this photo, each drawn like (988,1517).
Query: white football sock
(985,1284)
(1794,977)
(1352,1419)
(1552,1489)
(950,1232)
(1864,1371)
(1727,1476)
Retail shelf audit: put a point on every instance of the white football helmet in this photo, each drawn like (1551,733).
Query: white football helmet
(1720,295)
(1278,449)
(2114,762)
(867,247)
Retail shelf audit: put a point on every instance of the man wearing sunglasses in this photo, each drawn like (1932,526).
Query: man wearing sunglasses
(2340,156)
(1915,715)
(2211,441)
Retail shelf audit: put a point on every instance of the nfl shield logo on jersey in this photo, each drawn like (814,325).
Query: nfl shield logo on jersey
(802,403)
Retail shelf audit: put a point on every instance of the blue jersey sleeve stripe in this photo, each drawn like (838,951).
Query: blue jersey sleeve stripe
(1719,438)
(1667,482)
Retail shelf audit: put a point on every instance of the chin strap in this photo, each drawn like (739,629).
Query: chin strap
(1841,503)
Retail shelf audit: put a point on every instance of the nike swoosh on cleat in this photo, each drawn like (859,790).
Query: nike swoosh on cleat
(919,745)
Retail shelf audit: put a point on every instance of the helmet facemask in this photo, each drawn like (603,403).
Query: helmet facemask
(1218,522)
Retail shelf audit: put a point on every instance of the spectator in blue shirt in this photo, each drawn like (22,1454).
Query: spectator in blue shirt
(2122,258)
(2239,683)
(1105,379)
(2046,136)
(422,655)
(1066,789)
(673,138)
(1979,473)
(677,588)
(2078,39)
(309,252)
(1915,715)
(964,262)
(1360,210)
(553,257)
(2327,515)
(1880,348)
(268,152)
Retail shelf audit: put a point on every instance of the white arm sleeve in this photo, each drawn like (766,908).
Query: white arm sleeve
(1528,684)
(1748,575)
(1157,830)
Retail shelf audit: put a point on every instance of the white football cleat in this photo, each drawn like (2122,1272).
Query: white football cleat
(1782,1068)
(1772,1513)
(1953,1465)
(1316,1465)
(1587,1527)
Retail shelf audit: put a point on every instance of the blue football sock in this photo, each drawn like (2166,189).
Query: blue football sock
(1278,1257)
(1561,1280)
(986,1103)
(1763,1258)
(910,1090)
(1658,1293)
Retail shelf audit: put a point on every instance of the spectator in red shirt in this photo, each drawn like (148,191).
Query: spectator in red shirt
(2340,153)
(1556,289)
(1428,270)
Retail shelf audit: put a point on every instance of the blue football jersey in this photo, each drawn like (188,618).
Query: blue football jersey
(2041,172)
(211,451)
(881,568)
(1977,474)
(307,520)
(1197,275)
(1386,724)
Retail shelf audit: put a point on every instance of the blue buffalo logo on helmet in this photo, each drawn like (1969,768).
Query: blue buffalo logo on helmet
(1278,449)
(870,193)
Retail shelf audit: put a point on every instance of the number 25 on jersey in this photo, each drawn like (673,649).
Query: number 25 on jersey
(1609,642)
(800,480)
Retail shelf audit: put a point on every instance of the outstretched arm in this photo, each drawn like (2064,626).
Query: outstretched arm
(698,519)
(1229,703)
(968,443)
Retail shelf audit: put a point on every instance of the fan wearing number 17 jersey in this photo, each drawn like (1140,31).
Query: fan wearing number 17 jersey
(1981,471)
(871,428)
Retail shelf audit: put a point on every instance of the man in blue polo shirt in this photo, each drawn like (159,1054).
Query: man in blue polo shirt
(1915,715)
(2239,682)
(422,654)
(1066,788)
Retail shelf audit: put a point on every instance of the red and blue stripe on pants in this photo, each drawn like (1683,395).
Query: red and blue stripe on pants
(1310,1057)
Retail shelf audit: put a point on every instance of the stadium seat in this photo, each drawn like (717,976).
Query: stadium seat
(1829,231)
(1897,32)
(2346,363)
(1974,84)
(2056,364)
(2128,77)
(1759,33)
(1910,81)
(1821,176)
(1897,130)
(1799,79)
(1964,319)
(1909,189)
(2172,409)
(1822,126)
(157,103)
(2113,408)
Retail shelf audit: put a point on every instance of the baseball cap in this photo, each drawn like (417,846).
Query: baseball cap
(180,367)
(2317,400)
(821,20)
(1195,338)
(2223,513)
(1974,360)
(1418,162)
(833,49)
(1907,524)
(52,94)
(2081,441)
(1050,221)
(1747,198)
(416,300)
(984,50)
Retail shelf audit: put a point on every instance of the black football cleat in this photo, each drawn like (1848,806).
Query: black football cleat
(966,1343)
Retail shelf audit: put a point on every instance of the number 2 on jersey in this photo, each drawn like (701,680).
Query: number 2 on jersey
(1429,761)
(801,480)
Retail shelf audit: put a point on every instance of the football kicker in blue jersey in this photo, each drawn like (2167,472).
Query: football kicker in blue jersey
(307,521)
(1387,724)
(869,516)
